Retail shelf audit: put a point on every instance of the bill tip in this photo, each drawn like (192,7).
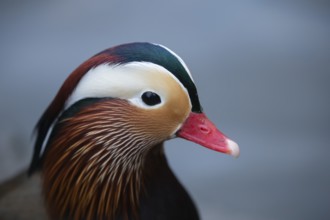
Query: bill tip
(233,148)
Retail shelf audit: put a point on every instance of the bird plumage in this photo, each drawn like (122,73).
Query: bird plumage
(104,156)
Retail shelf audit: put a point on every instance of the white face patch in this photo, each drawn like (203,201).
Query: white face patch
(127,81)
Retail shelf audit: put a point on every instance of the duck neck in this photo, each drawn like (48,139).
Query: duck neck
(80,187)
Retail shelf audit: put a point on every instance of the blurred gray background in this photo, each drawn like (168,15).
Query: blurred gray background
(262,69)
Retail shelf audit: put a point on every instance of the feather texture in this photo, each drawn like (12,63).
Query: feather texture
(94,163)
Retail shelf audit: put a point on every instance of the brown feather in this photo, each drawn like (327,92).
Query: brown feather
(93,164)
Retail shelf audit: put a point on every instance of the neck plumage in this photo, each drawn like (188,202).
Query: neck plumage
(101,167)
(147,193)
(80,188)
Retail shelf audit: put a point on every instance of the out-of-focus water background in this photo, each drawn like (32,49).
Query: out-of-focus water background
(262,69)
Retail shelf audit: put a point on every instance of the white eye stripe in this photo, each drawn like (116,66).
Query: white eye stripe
(127,81)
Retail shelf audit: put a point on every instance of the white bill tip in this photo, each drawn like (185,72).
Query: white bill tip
(234,148)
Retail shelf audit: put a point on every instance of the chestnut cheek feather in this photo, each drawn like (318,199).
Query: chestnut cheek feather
(93,160)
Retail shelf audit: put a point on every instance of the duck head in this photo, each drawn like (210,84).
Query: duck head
(109,113)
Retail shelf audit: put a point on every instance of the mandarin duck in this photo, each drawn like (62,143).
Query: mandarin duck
(99,144)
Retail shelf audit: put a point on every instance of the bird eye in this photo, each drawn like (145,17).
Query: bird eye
(150,98)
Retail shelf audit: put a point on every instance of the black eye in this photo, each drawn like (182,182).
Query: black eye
(150,98)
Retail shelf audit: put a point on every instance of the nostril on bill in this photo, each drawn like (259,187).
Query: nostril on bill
(204,129)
